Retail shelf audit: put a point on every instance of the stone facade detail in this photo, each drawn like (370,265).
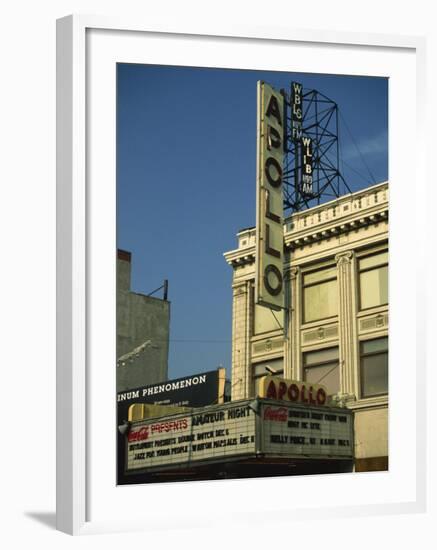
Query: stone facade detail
(347,324)
(293,369)
(242,319)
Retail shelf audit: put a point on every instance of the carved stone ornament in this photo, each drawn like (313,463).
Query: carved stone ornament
(292,273)
(344,257)
(342,399)
(240,290)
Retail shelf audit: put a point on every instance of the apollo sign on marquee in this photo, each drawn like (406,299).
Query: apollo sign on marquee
(269,212)
(273,387)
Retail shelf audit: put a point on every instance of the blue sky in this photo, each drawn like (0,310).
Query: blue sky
(186,162)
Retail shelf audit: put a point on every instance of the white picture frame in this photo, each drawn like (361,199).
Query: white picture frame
(87,499)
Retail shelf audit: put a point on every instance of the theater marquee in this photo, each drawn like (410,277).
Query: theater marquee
(246,430)
(269,211)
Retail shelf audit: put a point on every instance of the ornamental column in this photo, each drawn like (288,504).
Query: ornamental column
(292,360)
(347,324)
(241,325)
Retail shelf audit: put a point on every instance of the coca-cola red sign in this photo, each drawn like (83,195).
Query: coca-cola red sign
(277,414)
(139,435)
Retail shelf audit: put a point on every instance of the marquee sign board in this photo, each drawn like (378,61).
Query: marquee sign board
(241,429)
(215,433)
(316,432)
(269,287)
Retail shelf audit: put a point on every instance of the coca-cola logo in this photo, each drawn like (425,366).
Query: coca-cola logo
(275,414)
(140,435)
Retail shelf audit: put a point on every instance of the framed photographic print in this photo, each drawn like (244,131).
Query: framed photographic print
(231,211)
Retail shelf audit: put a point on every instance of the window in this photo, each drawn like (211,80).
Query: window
(322,367)
(266,320)
(374,367)
(320,294)
(373,280)
(275,367)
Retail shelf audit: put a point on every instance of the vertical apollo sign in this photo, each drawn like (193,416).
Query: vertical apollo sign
(269,287)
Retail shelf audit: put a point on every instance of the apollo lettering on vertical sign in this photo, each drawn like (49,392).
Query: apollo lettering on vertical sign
(269,212)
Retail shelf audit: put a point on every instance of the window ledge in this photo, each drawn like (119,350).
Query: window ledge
(373,310)
(322,322)
(368,402)
(277,334)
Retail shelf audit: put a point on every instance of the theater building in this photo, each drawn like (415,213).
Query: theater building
(333,329)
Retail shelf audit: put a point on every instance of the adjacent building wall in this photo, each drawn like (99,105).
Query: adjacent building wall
(140,319)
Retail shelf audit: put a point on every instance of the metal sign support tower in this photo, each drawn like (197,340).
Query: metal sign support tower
(311,147)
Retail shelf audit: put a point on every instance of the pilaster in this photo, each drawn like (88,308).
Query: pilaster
(347,325)
(241,323)
(292,367)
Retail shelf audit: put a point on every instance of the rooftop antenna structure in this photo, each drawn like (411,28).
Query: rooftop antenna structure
(311,163)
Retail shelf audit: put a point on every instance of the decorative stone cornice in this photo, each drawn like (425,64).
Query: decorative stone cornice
(237,258)
(301,239)
(333,219)
(338,217)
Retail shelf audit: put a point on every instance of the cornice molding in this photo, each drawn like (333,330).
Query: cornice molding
(319,229)
(312,234)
